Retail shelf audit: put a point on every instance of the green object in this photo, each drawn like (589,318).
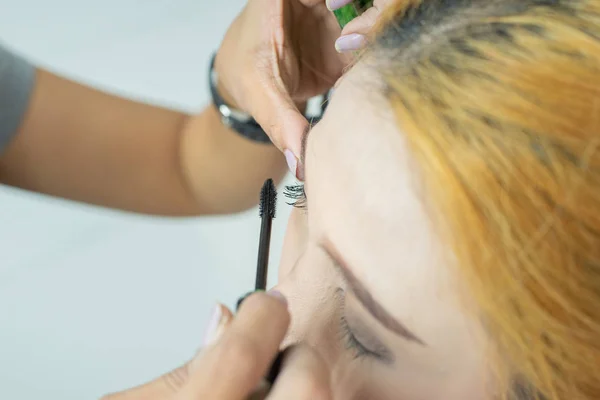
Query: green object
(345,14)
(351,11)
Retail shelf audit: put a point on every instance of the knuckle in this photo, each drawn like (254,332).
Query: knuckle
(370,16)
(175,379)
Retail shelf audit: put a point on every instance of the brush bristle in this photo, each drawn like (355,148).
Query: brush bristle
(268,199)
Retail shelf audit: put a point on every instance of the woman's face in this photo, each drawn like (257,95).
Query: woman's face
(363,271)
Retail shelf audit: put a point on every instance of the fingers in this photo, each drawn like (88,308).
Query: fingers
(304,376)
(277,114)
(285,125)
(363,23)
(234,365)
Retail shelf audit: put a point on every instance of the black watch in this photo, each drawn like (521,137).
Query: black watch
(242,122)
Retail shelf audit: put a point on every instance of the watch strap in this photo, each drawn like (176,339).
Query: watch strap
(242,122)
(237,120)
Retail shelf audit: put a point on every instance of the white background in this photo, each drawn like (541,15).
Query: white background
(91,300)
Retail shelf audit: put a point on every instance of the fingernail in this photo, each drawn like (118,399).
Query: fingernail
(278,296)
(354,41)
(336,4)
(213,330)
(292,162)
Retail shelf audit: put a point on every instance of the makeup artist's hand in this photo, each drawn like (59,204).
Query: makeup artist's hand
(237,354)
(276,55)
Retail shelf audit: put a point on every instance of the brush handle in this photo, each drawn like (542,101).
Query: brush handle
(262,267)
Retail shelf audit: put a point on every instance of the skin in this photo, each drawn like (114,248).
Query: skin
(84,145)
(363,207)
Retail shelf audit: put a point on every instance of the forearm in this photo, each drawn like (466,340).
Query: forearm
(84,145)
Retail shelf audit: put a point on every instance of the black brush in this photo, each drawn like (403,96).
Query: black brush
(267,210)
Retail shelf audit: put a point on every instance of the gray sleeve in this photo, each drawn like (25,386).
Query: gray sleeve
(17,77)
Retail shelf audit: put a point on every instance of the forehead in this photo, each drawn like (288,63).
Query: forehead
(362,190)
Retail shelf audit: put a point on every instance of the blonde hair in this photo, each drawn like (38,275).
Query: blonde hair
(499,100)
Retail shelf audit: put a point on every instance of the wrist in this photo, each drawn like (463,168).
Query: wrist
(233,116)
(221,87)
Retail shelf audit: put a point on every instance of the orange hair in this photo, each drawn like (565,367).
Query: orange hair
(500,103)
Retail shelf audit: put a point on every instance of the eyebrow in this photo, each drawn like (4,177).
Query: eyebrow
(367,300)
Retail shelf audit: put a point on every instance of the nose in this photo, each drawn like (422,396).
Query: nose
(313,311)
(299,311)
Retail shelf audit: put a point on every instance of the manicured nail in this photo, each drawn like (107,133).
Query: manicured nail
(354,41)
(336,4)
(214,328)
(278,295)
(292,162)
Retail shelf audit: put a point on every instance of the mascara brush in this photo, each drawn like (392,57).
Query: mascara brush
(266,211)
(267,208)
(268,203)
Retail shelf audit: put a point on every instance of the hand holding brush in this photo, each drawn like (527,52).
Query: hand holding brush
(241,358)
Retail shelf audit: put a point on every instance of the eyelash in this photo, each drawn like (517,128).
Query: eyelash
(353,344)
(297,196)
